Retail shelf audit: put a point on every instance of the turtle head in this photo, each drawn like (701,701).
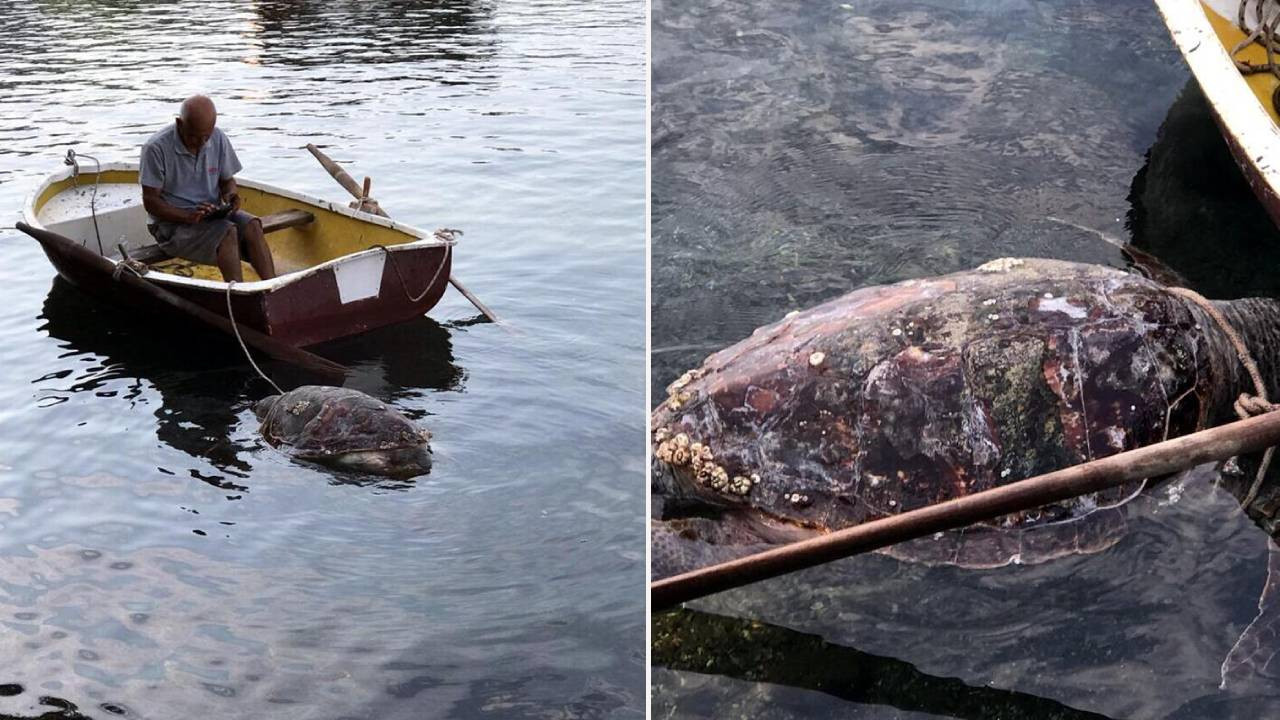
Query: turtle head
(721,438)
(402,463)
(263,406)
(1257,322)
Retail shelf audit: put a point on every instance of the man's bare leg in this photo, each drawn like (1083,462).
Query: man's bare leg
(259,253)
(229,256)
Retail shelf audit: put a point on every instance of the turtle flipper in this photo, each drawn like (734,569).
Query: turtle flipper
(1255,653)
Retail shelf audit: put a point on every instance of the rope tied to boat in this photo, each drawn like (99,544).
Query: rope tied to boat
(136,267)
(236,329)
(1246,405)
(446,235)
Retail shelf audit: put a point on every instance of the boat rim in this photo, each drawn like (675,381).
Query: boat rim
(1245,121)
(424,240)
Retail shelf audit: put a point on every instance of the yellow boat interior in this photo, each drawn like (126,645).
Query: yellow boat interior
(1222,15)
(301,233)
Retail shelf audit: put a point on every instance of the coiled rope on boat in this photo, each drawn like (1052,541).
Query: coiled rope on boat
(1265,33)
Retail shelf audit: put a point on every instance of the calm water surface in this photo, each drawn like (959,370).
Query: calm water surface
(803,150)
(157,560)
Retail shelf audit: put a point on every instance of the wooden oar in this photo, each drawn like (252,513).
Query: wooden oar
(362,194)
(1215,444)
(59,245)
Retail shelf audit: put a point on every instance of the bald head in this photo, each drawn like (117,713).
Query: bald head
(198,109)
(196,120)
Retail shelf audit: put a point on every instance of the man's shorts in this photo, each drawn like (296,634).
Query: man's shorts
(199,242)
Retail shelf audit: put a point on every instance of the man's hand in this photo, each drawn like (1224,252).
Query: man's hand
(234,199)
(197,213)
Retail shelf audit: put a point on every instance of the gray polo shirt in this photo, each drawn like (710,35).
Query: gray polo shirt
(186,180)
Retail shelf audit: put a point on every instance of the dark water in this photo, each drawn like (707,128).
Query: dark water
(804,150)
(158,560)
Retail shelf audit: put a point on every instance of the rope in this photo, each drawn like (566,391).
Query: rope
(1264,33)
(1246,406)
(445,234)
(236,329)
(133,266)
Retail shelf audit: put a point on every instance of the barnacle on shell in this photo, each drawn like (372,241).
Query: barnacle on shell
(680,450)
(719,478)
(680,382)
(680,456)
(676,395)
(1001,265)
(704,455)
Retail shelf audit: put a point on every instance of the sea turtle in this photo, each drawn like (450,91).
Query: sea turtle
(346,429)
(895,397)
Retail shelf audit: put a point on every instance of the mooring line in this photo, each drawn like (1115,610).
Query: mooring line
(236,329)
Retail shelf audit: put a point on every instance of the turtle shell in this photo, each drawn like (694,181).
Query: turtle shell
(320,421)
(896,397)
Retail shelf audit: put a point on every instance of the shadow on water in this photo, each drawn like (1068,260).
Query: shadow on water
(1192,208)
(755,651)
(202,393)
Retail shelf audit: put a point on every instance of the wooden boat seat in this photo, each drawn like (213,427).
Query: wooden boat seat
(286,219)
(157,258)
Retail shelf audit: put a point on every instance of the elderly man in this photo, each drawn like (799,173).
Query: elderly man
(188,170)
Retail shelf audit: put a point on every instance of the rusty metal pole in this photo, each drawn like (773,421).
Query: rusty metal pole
(349,184)
(1215,444)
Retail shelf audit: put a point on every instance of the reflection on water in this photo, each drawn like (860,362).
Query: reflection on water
(803,151)
(157,556)
(702,642)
